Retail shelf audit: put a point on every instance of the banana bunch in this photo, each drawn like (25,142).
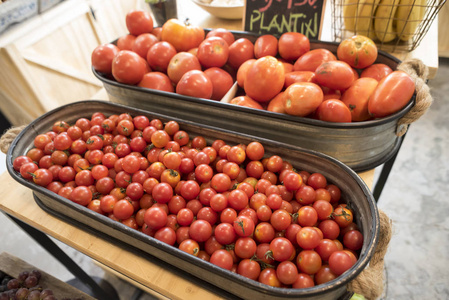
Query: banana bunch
(383,20)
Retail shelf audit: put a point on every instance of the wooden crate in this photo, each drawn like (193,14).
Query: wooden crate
(45,62)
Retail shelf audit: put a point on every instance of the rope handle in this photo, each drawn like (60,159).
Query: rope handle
(370,282)
(8,137)
(419,73)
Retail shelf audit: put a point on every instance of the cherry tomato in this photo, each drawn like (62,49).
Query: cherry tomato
(340,262)
(222,258)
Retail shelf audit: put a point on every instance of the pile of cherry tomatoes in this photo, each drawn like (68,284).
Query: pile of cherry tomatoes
(281,75)
(232,205)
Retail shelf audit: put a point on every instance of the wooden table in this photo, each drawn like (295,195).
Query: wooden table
(18,201)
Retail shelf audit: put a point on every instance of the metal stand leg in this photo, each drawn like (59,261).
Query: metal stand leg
(385,172)
(61,256)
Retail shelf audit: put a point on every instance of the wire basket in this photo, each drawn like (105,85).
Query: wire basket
(394,25)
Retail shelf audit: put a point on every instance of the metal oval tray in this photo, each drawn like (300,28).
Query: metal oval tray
(354,190)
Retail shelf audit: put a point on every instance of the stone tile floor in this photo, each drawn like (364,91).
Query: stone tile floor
(414,197)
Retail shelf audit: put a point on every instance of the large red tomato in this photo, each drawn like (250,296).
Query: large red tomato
(333,110)
(243,70)
(336,75)
(138,22)
(358,51)
(293,45)
(265,45)
(213,52)
(239,52)
(182,36)
(126,42)
(128,67)
(181,63)
(357,96)
(102,57)
(223,33)
(376,71)
(245,101)
(159,56)
(264,79)
(299,76)
(221,80)
(196,84)
(309,61)
(391,95)
(156,81)
(143,43)
(302,98)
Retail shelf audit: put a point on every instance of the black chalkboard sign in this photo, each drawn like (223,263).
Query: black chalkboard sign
(279,16)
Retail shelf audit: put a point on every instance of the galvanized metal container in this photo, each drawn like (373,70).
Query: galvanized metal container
(354,191)
(362,145)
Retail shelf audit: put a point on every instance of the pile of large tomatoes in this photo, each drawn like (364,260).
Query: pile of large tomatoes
(281,75)
(232,205)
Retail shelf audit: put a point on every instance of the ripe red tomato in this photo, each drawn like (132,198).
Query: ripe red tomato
(213,52)
(159,56)
(126,42)
(266,45)
(309,61)
(222,258)
(143,43)
(333,110)
(128,67)
(180,63)
(292,45)
(102,57)
(245,101)
(340,262)
(376,71)
(302,98)
(391,95)
(264,79)
(183,36)
(336,75)
(195,83)
(156,81)
(358,51)
(243,70)
(277,104)
(356,97)
(221,81)
(299,76)
(138,22)
(239,52)
(223,33)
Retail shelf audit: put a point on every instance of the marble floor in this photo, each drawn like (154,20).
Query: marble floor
(414,197)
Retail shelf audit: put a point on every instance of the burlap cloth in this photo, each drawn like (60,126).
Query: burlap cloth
(370,282)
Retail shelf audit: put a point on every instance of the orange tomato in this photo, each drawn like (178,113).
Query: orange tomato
(277,104)
(298,76)
(358,51)
(246,101)
(336,75)
(182,36)
(376,71)
(309,61)
(264,79)
(333,110)
(356,97)
(302,98)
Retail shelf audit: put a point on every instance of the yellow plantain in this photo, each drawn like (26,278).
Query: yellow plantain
(349,14)
(409,15)
(365,16)
(383,23)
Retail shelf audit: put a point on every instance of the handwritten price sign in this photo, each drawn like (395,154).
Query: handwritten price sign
(279,16)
